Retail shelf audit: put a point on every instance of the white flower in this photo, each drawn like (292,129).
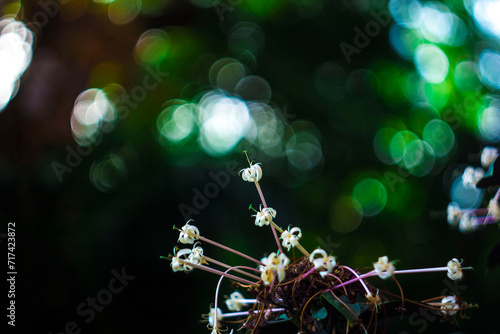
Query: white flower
(374,301)
(214,317)
(454,269)
(384,268)
(267,274)
(494,209)
(196,255)
(320,259)
(252,173)
(274,264)
(234,303)
(471,176)
(468,222)
(291,237)
(450,304)
(189,233)
(488,155)
(178,259)
(264,216)
(454,214)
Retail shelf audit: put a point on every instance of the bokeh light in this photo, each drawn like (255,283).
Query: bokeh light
(369,197)
(246,37)
(224,121)
(465,77)
(152,47)
(432,63)
(345,214)
(419,158)
(303,148)
(486,14)
(489,68)
(398,143)
(92,114)
(107,173)
(404,41)
(124,11)
(489,120)
(381,145)
(467,197)
(439,25)
(16,42)
(177,122)
(439,136)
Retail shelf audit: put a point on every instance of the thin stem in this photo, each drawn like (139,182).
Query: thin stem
(360,277)
(485,220)
(308,273)
(228,266)
(425,270)
(357,275)
(230,250)
(273,228)
(238,314)
(217,290)
(213,271)
(478,212)
(497,195)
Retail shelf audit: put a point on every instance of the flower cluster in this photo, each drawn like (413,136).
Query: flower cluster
(314,290)
(274,265)
(469,219)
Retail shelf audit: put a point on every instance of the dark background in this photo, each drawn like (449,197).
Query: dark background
(70,236)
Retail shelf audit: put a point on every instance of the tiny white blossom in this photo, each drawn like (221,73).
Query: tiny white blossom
(494,209)
(264,216)
(320,259)
(274,264)
(252,173)
(468,222)
(374,301)
(450,305)
(291,237)
(233,303)
(454,214)
(214,317)
(189,233)
(454,269)
(196,255)
(384,268)
(471,176)
(177,263)
(488,156)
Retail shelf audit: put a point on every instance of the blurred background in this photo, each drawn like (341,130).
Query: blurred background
(123,118)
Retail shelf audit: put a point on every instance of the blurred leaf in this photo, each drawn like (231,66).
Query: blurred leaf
(281,318)
(319,313)
(348,310)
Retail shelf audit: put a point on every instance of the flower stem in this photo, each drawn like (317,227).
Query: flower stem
(360,277)
(228,266)
(497,195)
(238,314)
(230,250)
(225,274)
(424,270)
(357,275)
(273,228)
(213,271)
(308,273)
